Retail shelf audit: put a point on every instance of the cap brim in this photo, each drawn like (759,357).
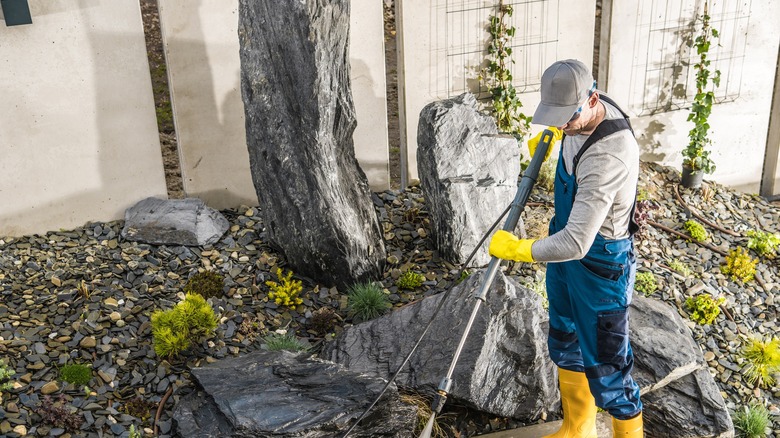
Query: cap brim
(553,115)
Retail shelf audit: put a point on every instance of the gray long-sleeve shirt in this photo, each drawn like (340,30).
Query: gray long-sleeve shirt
(606,189)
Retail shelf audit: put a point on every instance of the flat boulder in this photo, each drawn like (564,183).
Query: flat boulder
(186,222)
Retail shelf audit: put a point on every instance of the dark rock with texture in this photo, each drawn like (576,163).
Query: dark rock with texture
(680,397)
(315,200)
(174,222)
(281,394)
(504,368)
(468,173)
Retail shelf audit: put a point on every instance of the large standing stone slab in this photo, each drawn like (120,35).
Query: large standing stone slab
(174,222)
(280,394)
(504,368)
(314,198)
(468,173)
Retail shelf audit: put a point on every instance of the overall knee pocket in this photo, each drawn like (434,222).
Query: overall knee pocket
(612,338)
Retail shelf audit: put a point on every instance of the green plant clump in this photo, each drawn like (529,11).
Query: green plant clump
(5,376)
(464,274)
(133,432)
(763,243)
(284,341)
(410,280)
(696,230)
(76,373)
(680,267)
(752,421)
(645,283)
(174,330)
(762,361)
(138,407)
(704,309)
(695,155)
(739,265)
(286,293)
(367,301)
(207,284)
(497,77)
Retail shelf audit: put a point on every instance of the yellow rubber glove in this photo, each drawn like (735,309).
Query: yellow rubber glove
(506,245)
(534,142)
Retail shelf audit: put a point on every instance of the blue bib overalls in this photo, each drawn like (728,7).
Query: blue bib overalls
(589,301)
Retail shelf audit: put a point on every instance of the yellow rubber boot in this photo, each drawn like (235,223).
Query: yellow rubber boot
(631,428)
(579,406)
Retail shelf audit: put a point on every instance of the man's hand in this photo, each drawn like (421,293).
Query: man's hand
(506,245)
(534,141)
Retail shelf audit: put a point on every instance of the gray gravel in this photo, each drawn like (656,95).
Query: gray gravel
(47,320)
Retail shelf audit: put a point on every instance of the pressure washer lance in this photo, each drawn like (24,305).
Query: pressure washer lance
(517,206)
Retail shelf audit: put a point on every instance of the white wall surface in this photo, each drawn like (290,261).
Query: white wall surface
(443,45)
(78,134)
(202,53)
(647,65)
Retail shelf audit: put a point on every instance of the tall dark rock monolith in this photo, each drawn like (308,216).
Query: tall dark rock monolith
(314,199)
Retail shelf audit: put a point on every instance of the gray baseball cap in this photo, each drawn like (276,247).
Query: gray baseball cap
(565,85)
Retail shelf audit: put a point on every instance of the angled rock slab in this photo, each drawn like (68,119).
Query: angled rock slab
(315,200)
(504,368)
(280,394)
(468,173)
(680,397)
(174,222)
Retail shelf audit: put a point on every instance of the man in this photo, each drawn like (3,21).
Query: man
(590,274)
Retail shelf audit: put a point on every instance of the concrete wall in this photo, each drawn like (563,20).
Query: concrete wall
(443,43)
(78,135)
(201,46)
(648,72)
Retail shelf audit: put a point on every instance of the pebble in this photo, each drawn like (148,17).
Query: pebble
(47,320)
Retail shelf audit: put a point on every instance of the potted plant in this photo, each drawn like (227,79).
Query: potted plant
(696,157)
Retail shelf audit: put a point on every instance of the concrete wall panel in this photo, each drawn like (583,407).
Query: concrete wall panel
(78,135)
(201,46)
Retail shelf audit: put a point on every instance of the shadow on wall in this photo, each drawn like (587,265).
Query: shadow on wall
(210,127)
(650,142)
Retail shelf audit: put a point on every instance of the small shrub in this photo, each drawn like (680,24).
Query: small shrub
(704,309)
(739,265)
(133,433)
(752,421)
(680,267)
(138,408)
(207,284)
(696,230)
(286,293)
(645,283)
(284,341)
(464,274)
(763,360)
(5,376)
(367,301)
(763,243)
(323,321)
(58,414)
(251,327)
(410,280)
(77,374)
(173,330)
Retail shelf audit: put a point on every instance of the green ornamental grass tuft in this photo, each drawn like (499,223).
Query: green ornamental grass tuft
(284,341)
(367,301)
(762,361)
(752,421)
(77,374)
